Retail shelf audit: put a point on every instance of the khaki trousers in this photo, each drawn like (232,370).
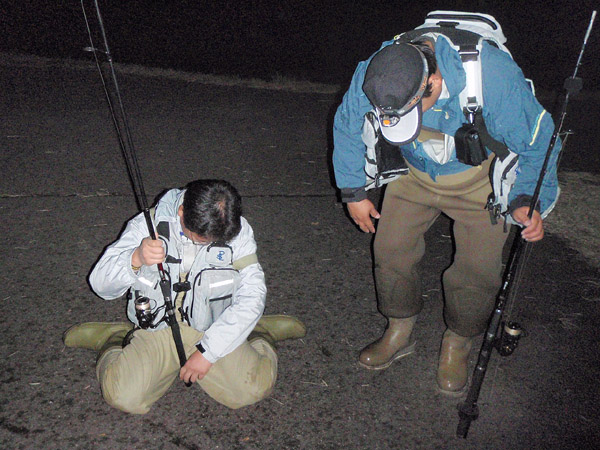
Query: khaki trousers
(133,378)
(411,205)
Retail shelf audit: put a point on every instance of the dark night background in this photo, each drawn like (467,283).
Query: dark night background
(313,40)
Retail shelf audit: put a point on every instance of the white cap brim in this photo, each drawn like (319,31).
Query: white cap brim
(406,130)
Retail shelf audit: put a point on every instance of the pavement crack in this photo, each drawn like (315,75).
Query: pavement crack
(14,428)
(76,194)
(121,195)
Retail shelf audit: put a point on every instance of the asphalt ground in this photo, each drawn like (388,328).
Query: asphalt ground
(64,195)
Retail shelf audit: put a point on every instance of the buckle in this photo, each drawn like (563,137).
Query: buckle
(182,286)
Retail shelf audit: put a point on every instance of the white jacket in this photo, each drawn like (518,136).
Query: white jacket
(227,317)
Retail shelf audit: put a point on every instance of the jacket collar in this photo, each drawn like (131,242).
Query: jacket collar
(450,66)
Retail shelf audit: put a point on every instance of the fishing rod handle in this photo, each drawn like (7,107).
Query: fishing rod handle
(464,423)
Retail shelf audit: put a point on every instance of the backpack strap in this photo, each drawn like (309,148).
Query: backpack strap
(245,261)
(163,230)
(468,44)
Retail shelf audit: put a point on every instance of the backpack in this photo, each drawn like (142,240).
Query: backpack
(466,33)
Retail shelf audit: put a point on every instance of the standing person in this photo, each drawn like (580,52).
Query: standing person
(414,88)
(209,254)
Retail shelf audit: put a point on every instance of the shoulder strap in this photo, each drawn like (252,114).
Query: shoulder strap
(245,261)
(162,228)
(468,44)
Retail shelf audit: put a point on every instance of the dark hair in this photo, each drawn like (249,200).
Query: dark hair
(431,62)
(212,209)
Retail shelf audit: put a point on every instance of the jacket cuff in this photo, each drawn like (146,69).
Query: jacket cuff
(350,195)
(207,353)
(520,201)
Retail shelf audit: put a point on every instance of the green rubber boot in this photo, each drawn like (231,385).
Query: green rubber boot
(255,335)
(94,335)
(280,327)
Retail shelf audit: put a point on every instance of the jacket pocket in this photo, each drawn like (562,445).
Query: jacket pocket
(212,293)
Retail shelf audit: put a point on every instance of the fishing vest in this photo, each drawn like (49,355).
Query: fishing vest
(202,294)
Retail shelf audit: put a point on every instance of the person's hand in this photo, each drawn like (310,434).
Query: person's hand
(534,227)
(196,368)
(149,252)
(361,212)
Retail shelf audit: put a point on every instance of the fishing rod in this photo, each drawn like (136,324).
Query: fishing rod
(122,129)
(506,343)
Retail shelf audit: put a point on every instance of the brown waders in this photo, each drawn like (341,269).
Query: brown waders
(411,205)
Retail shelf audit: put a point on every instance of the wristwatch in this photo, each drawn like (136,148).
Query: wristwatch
(200,347)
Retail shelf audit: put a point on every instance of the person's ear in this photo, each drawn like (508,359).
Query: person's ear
(180,211)
(435,80)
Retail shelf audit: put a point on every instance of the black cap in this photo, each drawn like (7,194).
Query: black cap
(395,81)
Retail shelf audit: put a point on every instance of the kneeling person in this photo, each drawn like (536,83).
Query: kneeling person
(209,254)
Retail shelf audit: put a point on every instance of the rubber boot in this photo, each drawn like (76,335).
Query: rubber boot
(254,335)
(452,374)
(395,343)
(115,340)
(93,335)
(280,327)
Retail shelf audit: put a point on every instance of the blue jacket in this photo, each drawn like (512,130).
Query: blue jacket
(511,112)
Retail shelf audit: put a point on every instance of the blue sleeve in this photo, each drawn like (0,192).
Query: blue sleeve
(513,115)
(349,149)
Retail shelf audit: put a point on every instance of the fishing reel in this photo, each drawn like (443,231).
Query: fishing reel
(143,312)
(509,338)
